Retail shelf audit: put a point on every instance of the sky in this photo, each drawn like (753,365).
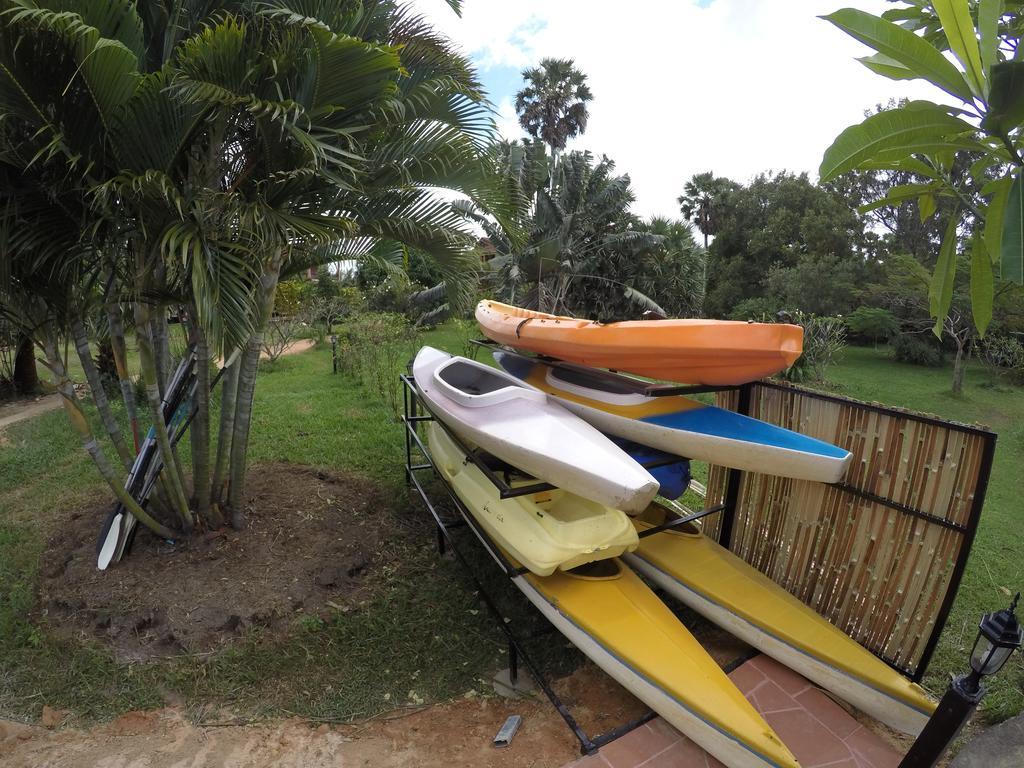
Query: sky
(680,87)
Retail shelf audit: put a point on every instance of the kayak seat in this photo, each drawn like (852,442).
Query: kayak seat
(473,380)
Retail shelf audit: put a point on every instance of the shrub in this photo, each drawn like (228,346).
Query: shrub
(290,296)
(756,308)
(375,348)
(873,323)
(824,337)
(917,349)
(282,331)
(1005,356)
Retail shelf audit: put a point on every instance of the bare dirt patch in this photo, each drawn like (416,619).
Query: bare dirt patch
(451,735)
(310,544)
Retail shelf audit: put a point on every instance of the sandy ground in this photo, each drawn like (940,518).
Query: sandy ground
(12,413)
(452,735)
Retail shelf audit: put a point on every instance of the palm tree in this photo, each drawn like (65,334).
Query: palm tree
(192,160)
(553,105)
(703,201)
(673,275)
(583,244)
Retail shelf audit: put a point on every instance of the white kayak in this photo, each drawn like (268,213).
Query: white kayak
(624,406)
(519,424)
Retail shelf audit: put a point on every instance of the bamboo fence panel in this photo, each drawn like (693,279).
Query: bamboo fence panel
(881,574)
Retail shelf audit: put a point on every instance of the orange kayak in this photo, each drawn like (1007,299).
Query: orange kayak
(715,352)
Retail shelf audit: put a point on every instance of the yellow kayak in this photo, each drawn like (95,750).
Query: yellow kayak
(608,612)
(544,531)
(739,598)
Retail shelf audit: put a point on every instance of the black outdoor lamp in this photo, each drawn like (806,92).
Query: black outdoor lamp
(999,635)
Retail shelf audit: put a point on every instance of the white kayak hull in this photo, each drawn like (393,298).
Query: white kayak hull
(523,427)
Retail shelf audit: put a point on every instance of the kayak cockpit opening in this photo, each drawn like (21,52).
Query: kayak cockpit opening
(476,385)
(471,379)
(609,568)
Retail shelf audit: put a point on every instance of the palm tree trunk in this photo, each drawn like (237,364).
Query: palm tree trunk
(200,434)
(147,358)
(99,394)
(249,365)
(161,347)
(81,426)
(26,377)
(704,275)
(116,327)
(228,401)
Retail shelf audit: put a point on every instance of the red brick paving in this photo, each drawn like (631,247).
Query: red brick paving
(819,732)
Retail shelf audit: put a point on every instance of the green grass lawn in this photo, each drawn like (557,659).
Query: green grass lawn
(425,633)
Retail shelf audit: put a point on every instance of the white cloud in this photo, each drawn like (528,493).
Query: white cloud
(738,87)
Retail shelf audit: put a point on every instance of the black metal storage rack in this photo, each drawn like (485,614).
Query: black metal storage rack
(416,412)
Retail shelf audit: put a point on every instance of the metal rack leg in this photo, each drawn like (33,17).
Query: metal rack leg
(588,745)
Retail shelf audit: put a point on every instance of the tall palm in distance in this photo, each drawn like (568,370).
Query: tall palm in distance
(553,108)
(702,202)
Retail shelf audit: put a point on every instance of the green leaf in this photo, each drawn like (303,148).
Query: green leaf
(955,17)
(1012,244)
(913,52)
(908,164)
(885,66)
(996,210)
(912,125)
(989,12)
(940,291)
(896,195)
(926,206)
(982,286)
(1006,98)
(979,167)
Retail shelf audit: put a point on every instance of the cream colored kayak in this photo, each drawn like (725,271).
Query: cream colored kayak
(543,531)
(522,426)
(608,612)
(739,598)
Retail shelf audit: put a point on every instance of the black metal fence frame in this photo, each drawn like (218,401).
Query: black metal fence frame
(735,478)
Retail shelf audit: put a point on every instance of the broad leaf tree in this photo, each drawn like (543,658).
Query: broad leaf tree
(785,225)
(978,115)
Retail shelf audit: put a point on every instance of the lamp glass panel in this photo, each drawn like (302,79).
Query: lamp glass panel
(980,655)
(995,660)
